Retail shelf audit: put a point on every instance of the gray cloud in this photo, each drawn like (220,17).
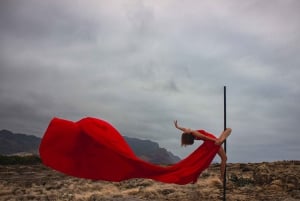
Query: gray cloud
(141,64)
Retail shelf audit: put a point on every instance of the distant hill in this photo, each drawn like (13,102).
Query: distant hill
(150,151)
(13,143)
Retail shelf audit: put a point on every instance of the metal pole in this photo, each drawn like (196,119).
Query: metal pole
(224,180)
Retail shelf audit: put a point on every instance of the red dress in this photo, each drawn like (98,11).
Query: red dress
(93,149)
(204,132)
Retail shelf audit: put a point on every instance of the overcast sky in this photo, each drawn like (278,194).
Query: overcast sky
(142,64)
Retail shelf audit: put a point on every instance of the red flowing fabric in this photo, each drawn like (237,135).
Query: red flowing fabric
(93,149)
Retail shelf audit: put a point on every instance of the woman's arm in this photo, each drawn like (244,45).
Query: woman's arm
(194,133)
(185,130)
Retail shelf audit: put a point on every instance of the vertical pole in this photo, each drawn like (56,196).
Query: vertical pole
(224,179)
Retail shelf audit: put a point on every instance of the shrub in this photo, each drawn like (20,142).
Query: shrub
(241,181)
(20,160)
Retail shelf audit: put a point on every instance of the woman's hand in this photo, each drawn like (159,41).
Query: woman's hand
(186,130)
(175,123)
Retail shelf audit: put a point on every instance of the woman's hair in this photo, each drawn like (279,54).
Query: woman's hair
(187,139)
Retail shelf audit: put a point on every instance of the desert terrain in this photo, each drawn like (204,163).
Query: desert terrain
(276,181)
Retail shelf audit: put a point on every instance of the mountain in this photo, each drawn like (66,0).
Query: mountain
(12,143)
(150,151)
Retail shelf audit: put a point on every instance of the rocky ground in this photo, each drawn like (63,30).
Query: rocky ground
(254,181)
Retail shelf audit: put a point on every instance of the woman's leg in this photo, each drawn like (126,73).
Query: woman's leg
(223,136)
(223,157)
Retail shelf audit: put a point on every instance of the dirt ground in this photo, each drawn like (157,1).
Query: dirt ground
(277,181)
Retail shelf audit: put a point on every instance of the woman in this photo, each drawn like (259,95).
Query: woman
(92,148)
(188,136)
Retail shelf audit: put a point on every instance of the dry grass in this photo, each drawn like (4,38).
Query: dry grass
(36,182)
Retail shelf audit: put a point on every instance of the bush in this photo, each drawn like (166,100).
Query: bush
(20,160)
(240,181)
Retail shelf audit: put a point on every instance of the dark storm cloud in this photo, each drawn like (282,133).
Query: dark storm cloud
(44,21)
(142,64)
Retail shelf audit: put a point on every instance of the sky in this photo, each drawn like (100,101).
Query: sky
(143,64)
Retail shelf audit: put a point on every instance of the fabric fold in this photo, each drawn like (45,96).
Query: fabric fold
(93,149)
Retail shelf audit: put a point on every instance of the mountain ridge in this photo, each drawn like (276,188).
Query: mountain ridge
(16,143)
